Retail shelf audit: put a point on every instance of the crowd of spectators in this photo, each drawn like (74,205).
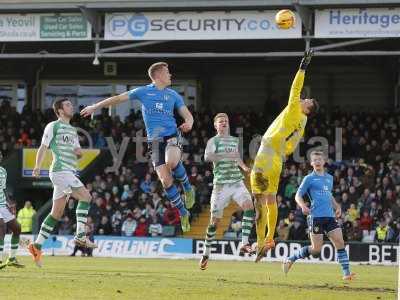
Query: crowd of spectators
(364,158)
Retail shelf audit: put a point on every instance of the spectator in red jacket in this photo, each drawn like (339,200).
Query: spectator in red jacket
(171,215)
(141,229)
(366,221)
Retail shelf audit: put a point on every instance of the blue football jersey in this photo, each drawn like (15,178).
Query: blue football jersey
(319,190)
(157,109)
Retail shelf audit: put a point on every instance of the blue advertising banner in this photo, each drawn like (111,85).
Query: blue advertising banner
(118,246)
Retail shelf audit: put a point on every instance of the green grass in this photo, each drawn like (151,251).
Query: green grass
(113,278)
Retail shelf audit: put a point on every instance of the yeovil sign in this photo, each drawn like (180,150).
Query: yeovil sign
(44,27)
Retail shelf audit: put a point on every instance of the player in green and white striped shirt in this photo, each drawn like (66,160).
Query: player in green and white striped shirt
(223,151)
(6,217)
(62,139)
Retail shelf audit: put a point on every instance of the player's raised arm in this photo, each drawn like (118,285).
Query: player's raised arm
(114,100)
(297,85)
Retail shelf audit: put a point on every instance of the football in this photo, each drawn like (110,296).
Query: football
(285,19)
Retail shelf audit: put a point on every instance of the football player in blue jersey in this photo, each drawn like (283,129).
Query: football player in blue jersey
(158,105)
(321,216)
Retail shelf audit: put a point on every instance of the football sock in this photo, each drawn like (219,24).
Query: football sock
(211,231)
(14,246)
(175,198)
(261,223)
(82,211)
(302,253)
(1,249)
(45,230)
(271,220)
(344,261)
(179,174)
(247,225)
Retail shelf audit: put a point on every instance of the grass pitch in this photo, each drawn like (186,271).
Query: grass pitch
(113,278)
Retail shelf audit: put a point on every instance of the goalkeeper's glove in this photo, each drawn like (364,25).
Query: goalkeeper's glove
(306,59)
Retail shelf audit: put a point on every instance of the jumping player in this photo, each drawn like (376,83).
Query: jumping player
(281,139)
(158,104)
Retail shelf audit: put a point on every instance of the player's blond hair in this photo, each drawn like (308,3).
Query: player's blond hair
(318,153)
(156,67)
(220,115)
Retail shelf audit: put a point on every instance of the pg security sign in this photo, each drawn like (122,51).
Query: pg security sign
(217,25)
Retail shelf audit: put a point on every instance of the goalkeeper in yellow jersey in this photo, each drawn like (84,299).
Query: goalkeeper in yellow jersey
(280,140)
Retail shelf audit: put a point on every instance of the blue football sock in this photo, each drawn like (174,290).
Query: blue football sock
(179,173)
(302,253)
(344,261)
(176,200)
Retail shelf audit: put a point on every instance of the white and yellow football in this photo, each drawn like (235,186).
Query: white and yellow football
(285,19)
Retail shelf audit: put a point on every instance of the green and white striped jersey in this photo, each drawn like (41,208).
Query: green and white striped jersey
(62,139)
(225,170)
(3,184)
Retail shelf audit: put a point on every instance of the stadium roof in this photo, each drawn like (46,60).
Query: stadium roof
(141,5)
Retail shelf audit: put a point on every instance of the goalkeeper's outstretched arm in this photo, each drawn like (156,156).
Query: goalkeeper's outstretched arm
(297,84)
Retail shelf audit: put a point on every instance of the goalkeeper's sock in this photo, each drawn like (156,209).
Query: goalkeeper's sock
(179,174)
(176,199)
(14,245)
(302,253)
(82,211)
(343,259)
(247,225)
(45,230)
(261,224)
(272,217)
(210,236)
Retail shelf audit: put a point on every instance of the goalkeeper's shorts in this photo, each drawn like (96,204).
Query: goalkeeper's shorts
(266,172)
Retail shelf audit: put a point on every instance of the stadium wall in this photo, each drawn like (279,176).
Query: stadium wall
(182,248)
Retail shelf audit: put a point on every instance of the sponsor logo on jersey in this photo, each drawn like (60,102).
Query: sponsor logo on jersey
(67,139)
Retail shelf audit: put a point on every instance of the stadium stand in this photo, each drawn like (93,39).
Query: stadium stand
(367,179)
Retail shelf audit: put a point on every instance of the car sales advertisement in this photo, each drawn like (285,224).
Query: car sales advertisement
(44,27)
